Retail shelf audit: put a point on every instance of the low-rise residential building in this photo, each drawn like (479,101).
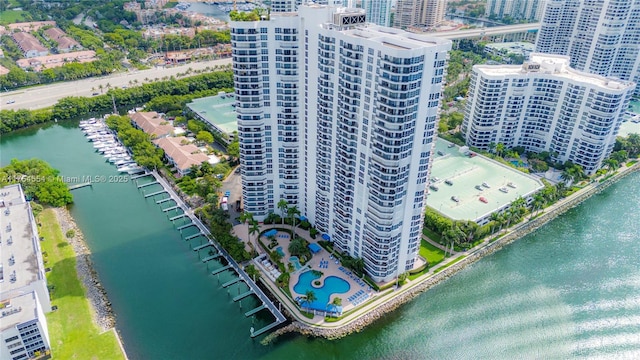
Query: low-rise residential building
(65,43)
(24,296)
(151,123)
(3,70)
(29,45)
(545,105)
(178,57)
(50,61)
(181,153)
(158,33)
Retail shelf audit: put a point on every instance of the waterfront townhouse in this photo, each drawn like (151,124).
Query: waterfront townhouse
(600,37)
(545,105)
(24,296)
(151,123)
(29,45)
(337,116)
(181,153)
(40,63)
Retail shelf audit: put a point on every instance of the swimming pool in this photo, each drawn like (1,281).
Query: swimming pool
(279,250)
(332,285)
(518,163)
(295,261)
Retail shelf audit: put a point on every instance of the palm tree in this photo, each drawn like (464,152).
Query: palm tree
(499,149)
(337,301)
(246,218)
(492,147)
(254,229)
(495,219)
(611,164)
(309,297)
(283,206)
(292,212)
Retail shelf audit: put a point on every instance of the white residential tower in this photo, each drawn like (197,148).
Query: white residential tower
(544,105)
(338,117)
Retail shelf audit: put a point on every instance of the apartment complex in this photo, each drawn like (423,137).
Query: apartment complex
(338,117)
(424,13)
(545,105)
(601,37)
(378,11)
(24,297)
(29,45)
(529,10)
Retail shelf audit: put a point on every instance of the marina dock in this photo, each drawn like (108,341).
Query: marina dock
(266,303)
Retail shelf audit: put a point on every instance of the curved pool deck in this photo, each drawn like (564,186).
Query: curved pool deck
(333,285)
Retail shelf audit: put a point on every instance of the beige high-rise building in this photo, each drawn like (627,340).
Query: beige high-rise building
(427,13)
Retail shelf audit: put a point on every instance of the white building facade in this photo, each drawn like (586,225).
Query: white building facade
(423,13)
(23,286)
(378,11)
(601,37)
(544,105)
(338,117)
(530,10)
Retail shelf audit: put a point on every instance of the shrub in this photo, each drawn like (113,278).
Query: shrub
(70,234)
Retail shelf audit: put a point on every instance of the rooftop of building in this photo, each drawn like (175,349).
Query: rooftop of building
(19,309)
(395,38)
(217,110)
(152,123)
(557,65)
(19,265)
(28,42)
(183,153)
(465,173)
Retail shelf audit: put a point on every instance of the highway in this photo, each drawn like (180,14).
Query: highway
(488,31)
(47,95)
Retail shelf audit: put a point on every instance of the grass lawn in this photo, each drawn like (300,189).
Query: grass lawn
(12,16)
(71,328)
(433,254)
(431,234)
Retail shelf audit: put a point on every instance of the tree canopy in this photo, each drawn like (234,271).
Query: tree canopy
(39,181)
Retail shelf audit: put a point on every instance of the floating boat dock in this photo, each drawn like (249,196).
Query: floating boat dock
(266,303)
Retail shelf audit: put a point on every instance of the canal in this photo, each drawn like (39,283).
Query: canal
(569,290)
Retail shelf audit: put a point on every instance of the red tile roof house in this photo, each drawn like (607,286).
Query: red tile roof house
(65,43)
(152,123)
(29,45)
(181,153)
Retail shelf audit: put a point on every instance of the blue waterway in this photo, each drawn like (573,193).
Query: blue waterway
(569,290)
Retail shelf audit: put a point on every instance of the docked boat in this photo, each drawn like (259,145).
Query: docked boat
(127,168)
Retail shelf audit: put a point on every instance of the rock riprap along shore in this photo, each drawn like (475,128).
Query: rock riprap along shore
(99,303)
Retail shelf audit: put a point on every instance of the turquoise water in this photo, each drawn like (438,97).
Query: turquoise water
(280,251)
(332,285)
(296,262)
(569,290)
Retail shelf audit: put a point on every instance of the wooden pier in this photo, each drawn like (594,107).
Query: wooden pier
(178,216)
(147,184)
(193,236)
(212,257)
(232,264)
(256,310)
(182,227)
(231,282)
(155,193)
(78,186)
(140,176)
(171,208)
(243,295)
(200,247)
(217,271)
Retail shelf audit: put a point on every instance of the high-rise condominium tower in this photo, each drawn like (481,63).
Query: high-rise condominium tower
(544,105)
(530,10)
(338,117)
(378,11)
(427,13)
(600,36)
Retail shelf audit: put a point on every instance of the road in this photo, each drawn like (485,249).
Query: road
(47,95)
(489,31)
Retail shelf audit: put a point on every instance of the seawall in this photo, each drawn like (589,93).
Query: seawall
(409,291)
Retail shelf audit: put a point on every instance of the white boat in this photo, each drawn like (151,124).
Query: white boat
(135,170)
(123,162)
(127,168)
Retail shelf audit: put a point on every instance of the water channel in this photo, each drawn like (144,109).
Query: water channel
(569,290)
